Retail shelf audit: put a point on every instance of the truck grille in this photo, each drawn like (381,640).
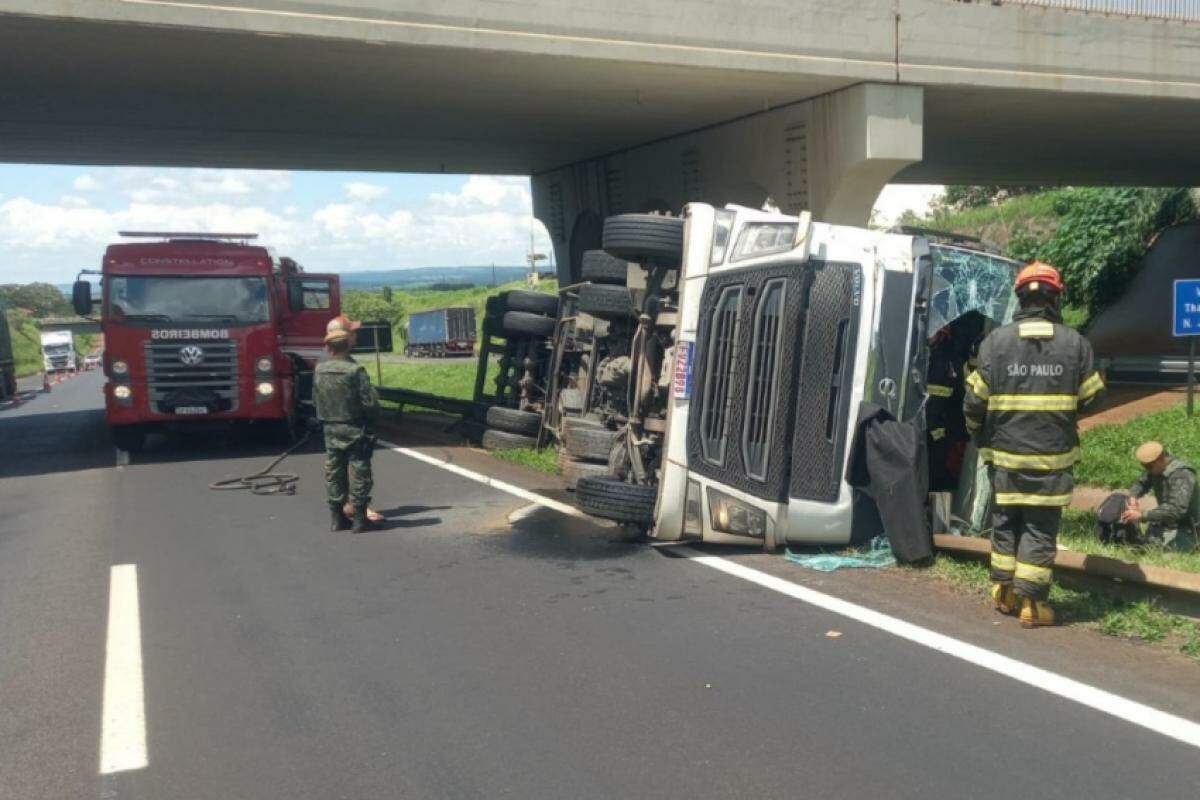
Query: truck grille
(174,377)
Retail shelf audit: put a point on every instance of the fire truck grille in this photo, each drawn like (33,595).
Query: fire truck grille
(192,374)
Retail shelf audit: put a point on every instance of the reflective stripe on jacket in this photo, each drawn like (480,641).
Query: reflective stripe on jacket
(1022,402)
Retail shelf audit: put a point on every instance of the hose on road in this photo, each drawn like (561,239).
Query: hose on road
(265,481)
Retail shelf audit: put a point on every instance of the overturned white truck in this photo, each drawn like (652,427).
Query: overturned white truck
(753,340)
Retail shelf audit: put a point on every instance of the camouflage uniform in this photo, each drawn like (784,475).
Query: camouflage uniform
(1173,523)
(348,406)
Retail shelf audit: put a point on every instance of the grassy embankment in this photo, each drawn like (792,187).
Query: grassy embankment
(26,342)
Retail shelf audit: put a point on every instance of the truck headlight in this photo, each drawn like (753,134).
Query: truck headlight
(762,238)
(120,367)
(730,515)
(122,392)
(265,389)
(264,365)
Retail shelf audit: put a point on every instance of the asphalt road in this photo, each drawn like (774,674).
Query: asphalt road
(455,656)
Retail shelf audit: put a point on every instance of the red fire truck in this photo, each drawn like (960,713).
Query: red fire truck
(201,327)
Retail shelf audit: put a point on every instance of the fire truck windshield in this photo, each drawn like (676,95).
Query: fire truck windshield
(154,300)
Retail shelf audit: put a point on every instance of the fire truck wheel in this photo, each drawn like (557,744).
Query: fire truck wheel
(523,323)
(587,442)
(608,497)
(511,420)
(503,440)
(494,306)
(130,438)
(605,302)
(533,302)
(600,267)
(573,470)
(644,237)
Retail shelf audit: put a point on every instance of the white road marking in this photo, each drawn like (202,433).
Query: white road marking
(495,484)
(123,723)
(1139,714)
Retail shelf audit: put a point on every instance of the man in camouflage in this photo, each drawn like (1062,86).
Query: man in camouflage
(1173,522)
(348,406)
(1034,375)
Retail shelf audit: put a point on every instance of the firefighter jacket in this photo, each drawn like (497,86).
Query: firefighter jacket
(344,394)
(944,388)
(1175,491)
(1034,375)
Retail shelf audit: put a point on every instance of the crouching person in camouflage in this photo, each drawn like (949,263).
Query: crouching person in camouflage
(1173,523)
(348,407)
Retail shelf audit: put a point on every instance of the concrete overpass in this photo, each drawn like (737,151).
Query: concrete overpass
(612,105)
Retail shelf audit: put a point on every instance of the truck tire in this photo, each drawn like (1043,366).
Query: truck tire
(533,302)
(600,267)
(609,497)
(494,306)
(130,438)
(493,326)
(644,237)
(503,440)
(604,301)
(524,323)
(511,420)
(573,470)
(588,442)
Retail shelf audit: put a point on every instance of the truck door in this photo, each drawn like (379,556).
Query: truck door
(312,300)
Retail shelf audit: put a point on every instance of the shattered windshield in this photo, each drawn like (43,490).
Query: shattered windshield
(968,280)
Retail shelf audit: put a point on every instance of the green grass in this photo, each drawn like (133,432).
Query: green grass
(1108,460)
(448,378)
(1019,216)
(544,460)
(1143,620)
(26,342)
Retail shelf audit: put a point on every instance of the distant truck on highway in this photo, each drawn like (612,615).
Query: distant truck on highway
(441,332)
(8,363)
(206,327)
(58,351)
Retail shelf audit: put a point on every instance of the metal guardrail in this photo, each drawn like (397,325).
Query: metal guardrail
(1179,10)
(449,405)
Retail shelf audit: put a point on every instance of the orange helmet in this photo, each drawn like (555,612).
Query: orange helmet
(1039,275)
(340,327)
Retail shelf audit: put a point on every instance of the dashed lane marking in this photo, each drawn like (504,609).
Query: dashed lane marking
(1139,714)
(123,720)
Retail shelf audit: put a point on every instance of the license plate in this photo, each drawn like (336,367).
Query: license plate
(191,409)
(682,377)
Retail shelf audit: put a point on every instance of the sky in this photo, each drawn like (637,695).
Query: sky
(56,220)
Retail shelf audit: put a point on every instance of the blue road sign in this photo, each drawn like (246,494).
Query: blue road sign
(1187,308)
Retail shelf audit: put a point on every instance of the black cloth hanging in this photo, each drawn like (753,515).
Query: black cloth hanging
(887,463)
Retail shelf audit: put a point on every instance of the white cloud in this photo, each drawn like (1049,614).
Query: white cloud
(896,198)
(482,192)
(87,183)
(361,191)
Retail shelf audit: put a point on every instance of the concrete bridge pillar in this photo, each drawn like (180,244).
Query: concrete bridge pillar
(831,155)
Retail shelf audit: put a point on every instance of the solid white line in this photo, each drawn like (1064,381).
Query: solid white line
(481,478)
(1175,727)
(1150,718)
(123,722)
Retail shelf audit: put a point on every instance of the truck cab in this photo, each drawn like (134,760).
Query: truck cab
(58,351)
(203,328)
(786,327)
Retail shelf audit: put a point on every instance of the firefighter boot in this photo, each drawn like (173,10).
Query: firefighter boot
(1004,598)
(361,522)
(338,520)
(1036,613)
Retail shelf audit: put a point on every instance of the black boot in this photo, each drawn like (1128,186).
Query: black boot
(338,520)
(361,523)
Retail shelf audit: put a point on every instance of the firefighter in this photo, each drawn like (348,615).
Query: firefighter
(945,380)
(348,406)
(1172,523)
(1033,377)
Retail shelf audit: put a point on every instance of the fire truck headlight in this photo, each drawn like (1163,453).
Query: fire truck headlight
(122,392)
(120,367)
(264,365)
(265,389)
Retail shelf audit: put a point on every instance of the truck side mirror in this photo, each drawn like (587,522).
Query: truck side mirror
(81,298)
(295,295)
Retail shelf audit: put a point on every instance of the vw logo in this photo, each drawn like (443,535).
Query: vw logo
(190,355)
